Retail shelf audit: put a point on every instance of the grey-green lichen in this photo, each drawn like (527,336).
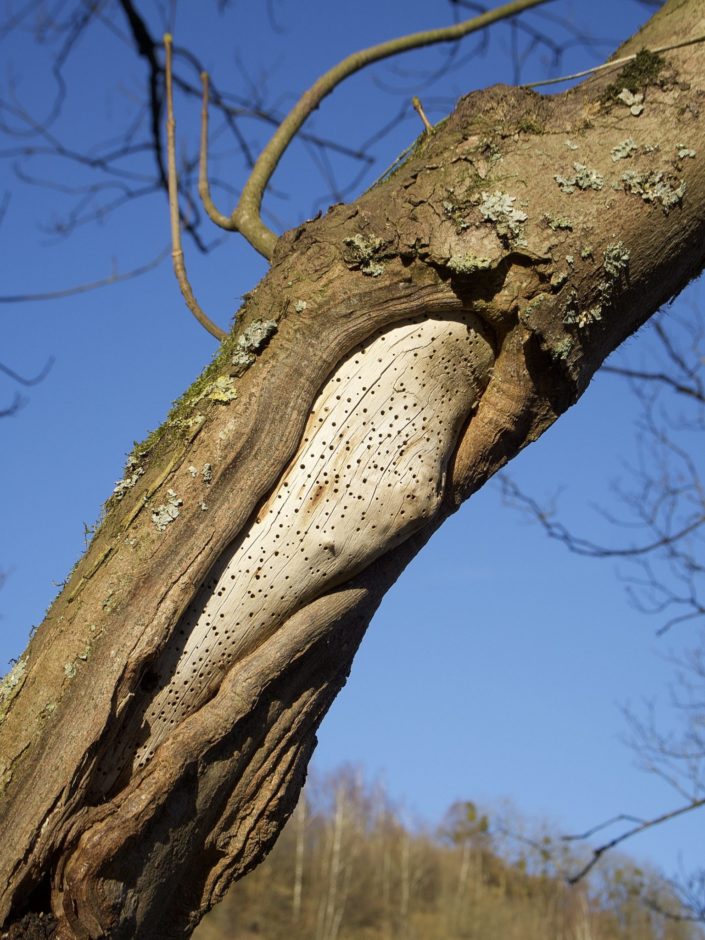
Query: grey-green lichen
(300,306)
(616,260)
(165,514)
(122,486)
(498,209)
(654,186)
(558,223)
(583,178)
(574,316)
(562,349)
(558,279)
(252,339)
(583,318)
(456,213)
(586,252)
(615,264)
(634,101)
(468,263)
(11,684)
(534,304)
(571,145)
(207,472)
(685,152)
(362,252)
(624,149)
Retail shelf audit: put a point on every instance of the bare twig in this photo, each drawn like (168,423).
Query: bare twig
(581,546)
(247,213)
(17,402)
(662,377)
(35,380)
(214,214)
(114,278)
(613,64)
(642,826)
(177,251)
(418,107)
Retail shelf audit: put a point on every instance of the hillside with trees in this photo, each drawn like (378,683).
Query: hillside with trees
(349,866)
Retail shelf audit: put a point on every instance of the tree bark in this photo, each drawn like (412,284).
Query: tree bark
(147,760)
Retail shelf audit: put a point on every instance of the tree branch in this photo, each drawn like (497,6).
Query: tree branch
(662,377)
(635,830)
(246,215)
(214,214)
(114,278)
(177,251)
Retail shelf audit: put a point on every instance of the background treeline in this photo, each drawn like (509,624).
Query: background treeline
(348,867)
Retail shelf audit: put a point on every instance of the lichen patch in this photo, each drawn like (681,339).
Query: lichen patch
(168,512)
(655,186)
(583,178)
(498,208)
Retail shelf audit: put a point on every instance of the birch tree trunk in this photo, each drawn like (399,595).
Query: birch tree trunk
(155,735)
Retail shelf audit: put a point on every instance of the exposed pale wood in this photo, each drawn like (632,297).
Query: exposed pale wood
(369,471)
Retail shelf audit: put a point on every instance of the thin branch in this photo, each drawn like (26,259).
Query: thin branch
(177,253)
(247,213)
(614,63)
(17,402)
(4,205)
(580,546)
(418,107)
(114,278)
(661,377)
(635,830)
(16,377)
(214,214)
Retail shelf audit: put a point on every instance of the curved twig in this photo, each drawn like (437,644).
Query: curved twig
(214,214)
(16,377)
(177,253)
(246,215)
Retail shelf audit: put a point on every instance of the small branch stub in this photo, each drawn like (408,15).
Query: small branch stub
(418,107)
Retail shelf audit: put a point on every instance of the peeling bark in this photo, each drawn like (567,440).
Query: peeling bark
(524,252)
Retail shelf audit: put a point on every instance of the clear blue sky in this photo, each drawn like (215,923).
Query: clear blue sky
(496,666)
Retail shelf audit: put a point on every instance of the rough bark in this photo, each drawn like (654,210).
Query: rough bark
(543,277)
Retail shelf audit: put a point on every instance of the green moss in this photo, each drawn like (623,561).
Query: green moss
(529,125)
(214,383)
(643,70)
(11,684)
